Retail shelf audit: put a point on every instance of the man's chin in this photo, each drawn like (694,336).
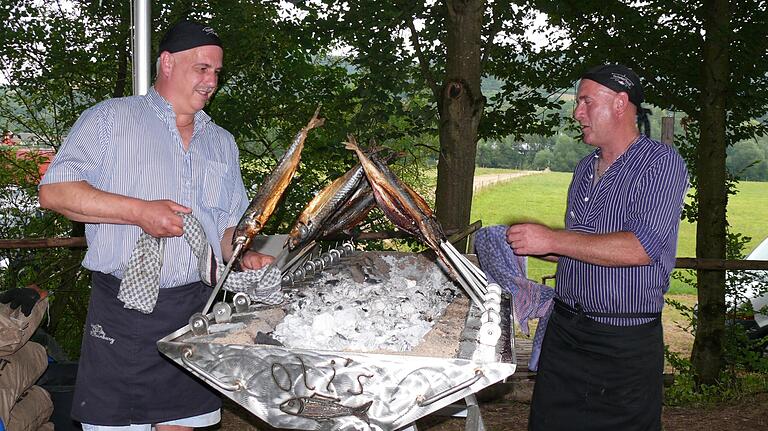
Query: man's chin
(199,104)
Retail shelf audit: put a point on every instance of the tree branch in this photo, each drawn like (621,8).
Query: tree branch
(494,29)
(423,62)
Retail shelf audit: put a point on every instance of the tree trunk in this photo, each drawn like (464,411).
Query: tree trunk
(707,355)
(461,106)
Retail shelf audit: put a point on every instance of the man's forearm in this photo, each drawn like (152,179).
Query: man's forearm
(226,244)
(79,201)
(610,249)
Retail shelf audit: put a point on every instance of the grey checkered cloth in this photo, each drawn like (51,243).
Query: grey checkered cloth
(141,281)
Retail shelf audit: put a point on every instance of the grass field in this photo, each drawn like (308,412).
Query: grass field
(541,198)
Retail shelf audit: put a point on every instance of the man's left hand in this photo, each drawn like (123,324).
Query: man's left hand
(255,260)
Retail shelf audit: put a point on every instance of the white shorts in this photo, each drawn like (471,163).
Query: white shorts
(200,421)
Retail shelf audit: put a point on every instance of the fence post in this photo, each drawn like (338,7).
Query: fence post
(667,130)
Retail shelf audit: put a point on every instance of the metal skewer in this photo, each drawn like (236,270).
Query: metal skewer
(464,268)
(467,279)
(235,254)
(479,275)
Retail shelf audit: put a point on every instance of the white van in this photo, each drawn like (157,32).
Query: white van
(752,291)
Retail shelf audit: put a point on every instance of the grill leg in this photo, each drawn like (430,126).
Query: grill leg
(474,419)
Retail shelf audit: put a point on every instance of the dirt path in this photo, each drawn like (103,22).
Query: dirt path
(505,414)
(482,181)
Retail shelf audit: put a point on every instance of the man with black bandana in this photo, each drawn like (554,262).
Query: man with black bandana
(135,168)
(602,355)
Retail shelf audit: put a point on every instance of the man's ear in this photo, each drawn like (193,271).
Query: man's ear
(621,103)
(166,64)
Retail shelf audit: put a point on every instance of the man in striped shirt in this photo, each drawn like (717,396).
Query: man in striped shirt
(602,356)
(132,165)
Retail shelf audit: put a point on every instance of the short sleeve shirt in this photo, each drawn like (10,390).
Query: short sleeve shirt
(131,146)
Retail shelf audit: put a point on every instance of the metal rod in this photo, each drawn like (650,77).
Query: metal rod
(460,267)
(467,383)
(235,255)
(471,266)
(186,359)
(142,37)
(296,259)
(471,291)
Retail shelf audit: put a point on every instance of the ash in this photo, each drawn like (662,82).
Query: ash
(372,302)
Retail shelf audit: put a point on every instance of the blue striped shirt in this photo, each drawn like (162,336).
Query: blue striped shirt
(131,146)
(642,192)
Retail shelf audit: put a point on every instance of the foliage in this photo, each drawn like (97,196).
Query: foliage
(746,361)
(57,270)
(748,160)
(685,392)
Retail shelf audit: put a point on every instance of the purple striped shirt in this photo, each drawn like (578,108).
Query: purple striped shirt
(131,146)
(642,192)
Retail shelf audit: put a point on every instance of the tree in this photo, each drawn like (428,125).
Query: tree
(48,62)
(707,355)
(543,159)
(748,160)
(567,153)
(441,51)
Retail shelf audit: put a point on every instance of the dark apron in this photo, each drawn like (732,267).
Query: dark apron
(596,377)
(122,379)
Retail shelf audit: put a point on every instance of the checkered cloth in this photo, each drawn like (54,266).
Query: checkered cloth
(141,281)
(530,299)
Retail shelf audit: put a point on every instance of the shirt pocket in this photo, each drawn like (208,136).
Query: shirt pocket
(216,192)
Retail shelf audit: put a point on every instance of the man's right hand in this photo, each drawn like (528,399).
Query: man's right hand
(160,218)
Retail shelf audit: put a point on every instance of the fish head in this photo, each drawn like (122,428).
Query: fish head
(294,406)
(297,235)
(245,232)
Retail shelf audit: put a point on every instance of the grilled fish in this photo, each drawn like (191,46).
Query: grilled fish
(263,204)
(319,408)
(323,206)
(353,212)
(399,202)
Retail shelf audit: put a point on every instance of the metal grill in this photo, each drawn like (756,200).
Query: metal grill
(321,389)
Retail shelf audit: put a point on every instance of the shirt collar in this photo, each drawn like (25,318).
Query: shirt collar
(164,110)
(632,147)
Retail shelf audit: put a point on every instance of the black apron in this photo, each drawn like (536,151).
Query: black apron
(122,378)
(596,377)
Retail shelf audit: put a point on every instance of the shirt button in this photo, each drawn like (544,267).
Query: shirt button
(586,199)
(572,214)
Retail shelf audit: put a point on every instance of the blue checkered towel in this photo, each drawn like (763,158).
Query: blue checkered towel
(530,300)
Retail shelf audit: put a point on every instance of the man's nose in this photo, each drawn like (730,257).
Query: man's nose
(578,112)
(211,79)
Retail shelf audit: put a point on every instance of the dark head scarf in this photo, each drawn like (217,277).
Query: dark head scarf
(620,78)
(187,35)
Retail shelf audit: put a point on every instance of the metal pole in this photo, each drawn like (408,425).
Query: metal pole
(142,37)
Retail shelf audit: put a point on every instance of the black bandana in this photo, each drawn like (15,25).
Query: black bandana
(187,35)
(620,78)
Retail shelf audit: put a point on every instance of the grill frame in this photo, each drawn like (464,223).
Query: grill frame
(309,388)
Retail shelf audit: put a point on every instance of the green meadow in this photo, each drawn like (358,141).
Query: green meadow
(541,198)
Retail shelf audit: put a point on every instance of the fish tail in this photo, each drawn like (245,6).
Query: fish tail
(351,143)
(315,121)
(362,412)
